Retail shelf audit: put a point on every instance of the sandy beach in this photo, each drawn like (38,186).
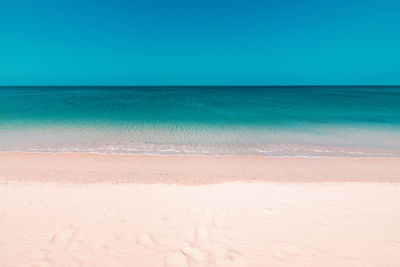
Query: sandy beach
(199,133)
(111,210)
(191,170)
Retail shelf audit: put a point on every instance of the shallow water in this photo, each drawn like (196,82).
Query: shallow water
(270,121)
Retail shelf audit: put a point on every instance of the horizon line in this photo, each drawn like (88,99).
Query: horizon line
(322,85)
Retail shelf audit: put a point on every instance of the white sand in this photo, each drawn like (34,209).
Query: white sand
(231,224)
(227,224)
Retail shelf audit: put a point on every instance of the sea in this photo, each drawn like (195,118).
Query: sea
(272,121)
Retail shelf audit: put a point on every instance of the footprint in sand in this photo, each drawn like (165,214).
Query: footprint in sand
(201,235)
(194,253)
(67,238)
(175,259)
(145,240)
(63,237)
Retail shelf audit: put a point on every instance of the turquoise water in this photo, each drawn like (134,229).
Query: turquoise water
(271,121)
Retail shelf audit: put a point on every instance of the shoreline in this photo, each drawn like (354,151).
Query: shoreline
(196,155)
(190,169)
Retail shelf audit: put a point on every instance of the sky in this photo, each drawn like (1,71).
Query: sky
(199,42)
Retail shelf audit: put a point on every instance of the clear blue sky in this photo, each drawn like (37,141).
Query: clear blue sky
(199,42)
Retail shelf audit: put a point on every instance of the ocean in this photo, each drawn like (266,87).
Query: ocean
(281,121)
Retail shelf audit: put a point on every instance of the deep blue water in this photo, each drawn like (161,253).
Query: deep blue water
(210,120)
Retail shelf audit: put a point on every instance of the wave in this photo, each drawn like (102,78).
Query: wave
(211,150)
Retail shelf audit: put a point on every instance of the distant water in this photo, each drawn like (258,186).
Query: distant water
(270,121)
